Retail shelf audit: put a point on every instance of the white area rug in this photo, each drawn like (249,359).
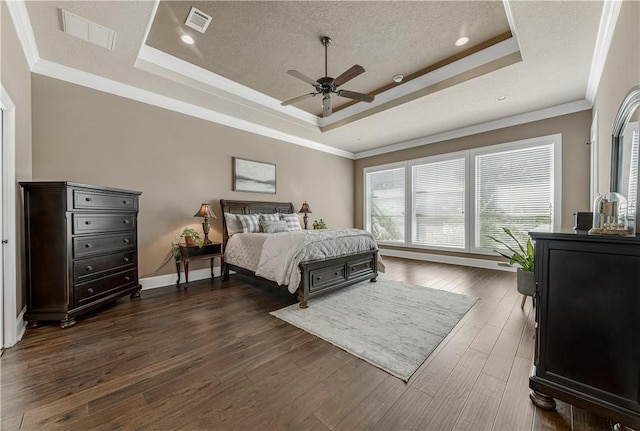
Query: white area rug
(388,324)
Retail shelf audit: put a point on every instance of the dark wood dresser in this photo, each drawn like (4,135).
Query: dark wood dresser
(81,248)
(588,323)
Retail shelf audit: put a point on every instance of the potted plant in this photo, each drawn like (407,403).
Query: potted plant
(523,257)
(191,237)
(319,224)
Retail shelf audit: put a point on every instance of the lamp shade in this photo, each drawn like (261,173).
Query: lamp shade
(205,211)
(305,208)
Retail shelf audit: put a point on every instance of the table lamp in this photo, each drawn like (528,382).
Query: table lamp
(206,212)
(305,210)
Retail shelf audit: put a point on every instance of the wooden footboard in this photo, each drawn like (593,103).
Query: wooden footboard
(323,276)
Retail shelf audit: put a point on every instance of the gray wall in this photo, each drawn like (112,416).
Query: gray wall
(176,161)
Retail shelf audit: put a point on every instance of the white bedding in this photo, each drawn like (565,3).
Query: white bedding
(276,256)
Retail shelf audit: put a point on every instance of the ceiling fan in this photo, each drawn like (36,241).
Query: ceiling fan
(327,85)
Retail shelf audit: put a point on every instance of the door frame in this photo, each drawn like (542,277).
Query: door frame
(9,282)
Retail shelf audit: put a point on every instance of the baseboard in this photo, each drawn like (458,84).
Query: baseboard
(440,258)
(170,279)
(21,325)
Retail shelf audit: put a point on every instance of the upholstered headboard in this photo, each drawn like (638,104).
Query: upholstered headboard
(252,207)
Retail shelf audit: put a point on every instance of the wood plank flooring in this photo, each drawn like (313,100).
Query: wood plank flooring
(212,358)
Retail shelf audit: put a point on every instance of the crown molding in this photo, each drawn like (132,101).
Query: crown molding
(78,77)
(22,23)
(608,20)
(528,117)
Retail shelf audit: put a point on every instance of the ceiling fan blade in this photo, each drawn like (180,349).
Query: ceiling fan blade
(349,75)
(357,96)
(326,106)
(297,99)
(302,77)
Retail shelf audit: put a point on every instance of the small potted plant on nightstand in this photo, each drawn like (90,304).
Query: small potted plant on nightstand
(191,237)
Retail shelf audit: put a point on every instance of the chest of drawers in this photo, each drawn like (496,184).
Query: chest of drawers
(81,249)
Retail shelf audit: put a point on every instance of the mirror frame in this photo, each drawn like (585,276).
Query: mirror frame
(630,103)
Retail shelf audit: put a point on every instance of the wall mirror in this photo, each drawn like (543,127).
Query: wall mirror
(625,151)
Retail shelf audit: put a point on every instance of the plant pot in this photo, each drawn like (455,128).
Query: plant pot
(189,240)
(526,282)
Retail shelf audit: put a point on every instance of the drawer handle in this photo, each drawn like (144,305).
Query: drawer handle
(87,222)
(88,245)
(89,268)
(353,268)
(89,291)
(125,240)
(125,202)
(127,278)
(318,278)
(126,259)
(337,273)
(88,199)
(125,221)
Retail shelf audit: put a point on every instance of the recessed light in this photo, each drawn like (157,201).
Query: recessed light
(187,39)
(501,98)
(398,78)
(462,41)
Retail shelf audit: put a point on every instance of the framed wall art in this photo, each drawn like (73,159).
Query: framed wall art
(252,176)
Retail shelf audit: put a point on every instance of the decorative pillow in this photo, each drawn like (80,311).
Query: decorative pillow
(250,222)
(292,221)
(233,224)
(270,217)
(274,226)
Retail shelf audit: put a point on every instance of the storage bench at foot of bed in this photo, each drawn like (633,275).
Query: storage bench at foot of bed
(322,276)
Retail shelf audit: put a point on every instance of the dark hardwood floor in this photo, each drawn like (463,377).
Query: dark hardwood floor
(212,358)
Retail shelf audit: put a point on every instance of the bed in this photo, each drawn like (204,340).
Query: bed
(317,276)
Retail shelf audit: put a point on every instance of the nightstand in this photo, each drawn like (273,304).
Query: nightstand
(193,252)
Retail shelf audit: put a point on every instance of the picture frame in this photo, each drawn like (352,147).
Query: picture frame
(253,176)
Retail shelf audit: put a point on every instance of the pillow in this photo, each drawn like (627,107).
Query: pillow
(274,226)
(292,221)
(270,217)
(250,222)
(233,224)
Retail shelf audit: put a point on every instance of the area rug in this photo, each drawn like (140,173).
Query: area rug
(389,324)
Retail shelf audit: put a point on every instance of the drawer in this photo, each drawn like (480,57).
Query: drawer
(326,277)
(88,292)
(360,267)
(85,199)
(86,269)
(92,223)
(99,244)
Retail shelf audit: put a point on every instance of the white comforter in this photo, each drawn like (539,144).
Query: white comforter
(282,252)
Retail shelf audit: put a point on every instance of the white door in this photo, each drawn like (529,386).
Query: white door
(2,236)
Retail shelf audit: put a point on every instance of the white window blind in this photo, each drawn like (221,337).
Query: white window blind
(385,202)
(438,193)
(514,189)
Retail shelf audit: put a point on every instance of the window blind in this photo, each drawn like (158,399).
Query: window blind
(514,189)
(438,193)
(385,194)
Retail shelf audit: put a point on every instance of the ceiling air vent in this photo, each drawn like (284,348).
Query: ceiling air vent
(87,30)
(198,20)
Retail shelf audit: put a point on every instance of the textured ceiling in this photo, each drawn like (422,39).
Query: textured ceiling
(255,43)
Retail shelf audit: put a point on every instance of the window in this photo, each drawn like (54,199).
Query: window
(385,203)
(514,189)
(455,201)
(438,193)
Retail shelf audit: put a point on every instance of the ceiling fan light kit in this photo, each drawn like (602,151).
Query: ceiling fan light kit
(327,85)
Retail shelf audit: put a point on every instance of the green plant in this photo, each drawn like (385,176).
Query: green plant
(523,257)
(319,224)
(187,232)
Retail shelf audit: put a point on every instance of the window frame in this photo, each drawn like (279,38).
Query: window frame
(470,157)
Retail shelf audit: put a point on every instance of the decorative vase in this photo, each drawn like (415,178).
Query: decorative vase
(189,240)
